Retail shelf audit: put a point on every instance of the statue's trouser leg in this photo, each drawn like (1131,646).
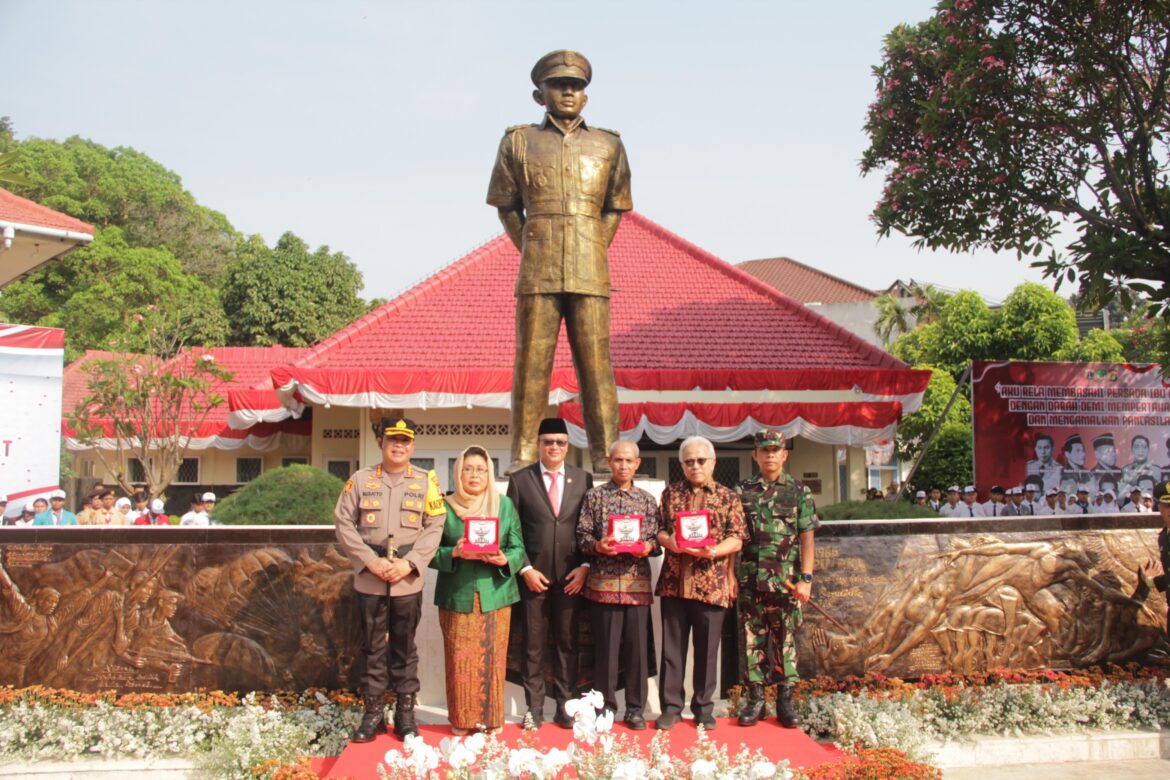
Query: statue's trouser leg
(538,322)
(587,323)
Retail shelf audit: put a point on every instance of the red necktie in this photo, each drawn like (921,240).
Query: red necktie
(554,494)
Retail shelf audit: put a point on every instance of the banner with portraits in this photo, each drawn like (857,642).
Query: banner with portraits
(1097,426)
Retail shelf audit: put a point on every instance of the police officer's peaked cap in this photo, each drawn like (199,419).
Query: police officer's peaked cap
(768,437)
(396,426)
(562,64)
(1162,493)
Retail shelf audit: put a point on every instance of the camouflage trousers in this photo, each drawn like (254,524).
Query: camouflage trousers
(768,623)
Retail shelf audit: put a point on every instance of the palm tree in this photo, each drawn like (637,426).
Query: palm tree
(892,317)
(929,301)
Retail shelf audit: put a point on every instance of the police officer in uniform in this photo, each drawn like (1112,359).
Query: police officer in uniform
(560,188)
(775,575)
(389,521)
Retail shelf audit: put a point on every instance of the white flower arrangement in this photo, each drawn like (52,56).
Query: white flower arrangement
(231,741)
(484,757)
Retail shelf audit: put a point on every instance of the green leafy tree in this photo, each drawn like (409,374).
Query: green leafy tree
(147,406)
(942,457)
(949,461)
(996,122)
(92,292)
(1144,339)
(965,330)
(122,187)
(288,295)
(1034,324)
(293,495)
(1098,346)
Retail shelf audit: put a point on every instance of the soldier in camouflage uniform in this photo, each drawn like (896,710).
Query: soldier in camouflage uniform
(775,575)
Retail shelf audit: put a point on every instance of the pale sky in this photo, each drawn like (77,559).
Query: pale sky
(372,126)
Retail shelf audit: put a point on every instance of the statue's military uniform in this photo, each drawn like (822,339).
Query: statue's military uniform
(376,511)
(564,180)
(776,512)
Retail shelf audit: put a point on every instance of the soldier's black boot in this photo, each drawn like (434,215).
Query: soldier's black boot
(373,721)
(753,708)
(404,725)
(785,712)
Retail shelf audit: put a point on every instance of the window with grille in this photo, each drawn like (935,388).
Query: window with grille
(295,462)
(247,469)
(188,472)
(648,468)
(137,472)
(423,463)
(342,469)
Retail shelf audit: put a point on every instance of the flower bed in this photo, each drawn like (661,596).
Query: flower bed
(882,719)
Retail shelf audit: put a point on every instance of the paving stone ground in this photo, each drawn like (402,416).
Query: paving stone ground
(1148,769)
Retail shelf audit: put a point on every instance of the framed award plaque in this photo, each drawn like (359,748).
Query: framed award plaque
(626,532)
(481,534)
(693,529)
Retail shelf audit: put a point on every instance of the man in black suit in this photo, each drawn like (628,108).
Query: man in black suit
(548,496)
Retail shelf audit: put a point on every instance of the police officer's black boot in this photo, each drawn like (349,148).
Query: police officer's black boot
(785,712)
(404,725)
(753,708)
(373,721)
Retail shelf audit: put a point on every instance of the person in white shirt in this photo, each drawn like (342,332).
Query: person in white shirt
(1081,505)
(994,506)
(969,508)
(196,516)
(1051,505)
(1108,506)
(209,507)
(951,507)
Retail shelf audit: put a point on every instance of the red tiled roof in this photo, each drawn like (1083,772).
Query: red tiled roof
(14,208)
(252,367)
(805,283)
(674,306)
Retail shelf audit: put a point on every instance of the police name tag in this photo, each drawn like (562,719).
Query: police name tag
(626,532)
(481,534)
(693,529)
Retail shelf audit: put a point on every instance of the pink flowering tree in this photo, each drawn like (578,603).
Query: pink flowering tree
(998,123)
(148,400)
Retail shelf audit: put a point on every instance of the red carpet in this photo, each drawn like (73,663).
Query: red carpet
(361,761)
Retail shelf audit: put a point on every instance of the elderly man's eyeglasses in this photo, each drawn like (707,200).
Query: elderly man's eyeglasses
(554,442)
(691,462)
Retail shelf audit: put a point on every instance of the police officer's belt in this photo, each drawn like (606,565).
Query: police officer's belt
(380,549)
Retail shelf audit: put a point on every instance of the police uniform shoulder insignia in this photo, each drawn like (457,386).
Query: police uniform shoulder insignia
(434,498)
(348,485)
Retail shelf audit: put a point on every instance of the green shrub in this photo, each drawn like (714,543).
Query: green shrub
(293,495)
(875,510)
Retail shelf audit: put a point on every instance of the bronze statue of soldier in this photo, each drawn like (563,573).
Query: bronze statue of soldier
(560,187)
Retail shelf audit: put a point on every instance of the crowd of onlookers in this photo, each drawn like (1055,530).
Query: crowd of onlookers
(103,506)
(1027,500)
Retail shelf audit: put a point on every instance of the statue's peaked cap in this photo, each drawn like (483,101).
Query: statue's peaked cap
(562,64)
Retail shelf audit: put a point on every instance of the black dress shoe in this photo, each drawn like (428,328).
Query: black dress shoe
(563,719)
(635,722)
(534,719)
(666,721)
(707,722)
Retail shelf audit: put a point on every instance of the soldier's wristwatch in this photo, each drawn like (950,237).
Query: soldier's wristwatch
(806,578)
